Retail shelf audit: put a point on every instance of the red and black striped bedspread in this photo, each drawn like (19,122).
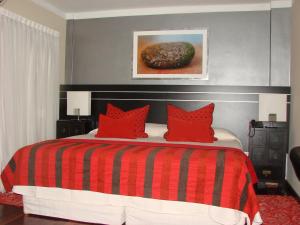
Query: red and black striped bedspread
(218,176)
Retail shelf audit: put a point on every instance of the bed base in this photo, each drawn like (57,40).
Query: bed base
(86,206)
(73,211)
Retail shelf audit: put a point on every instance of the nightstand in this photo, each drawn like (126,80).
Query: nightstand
(267,150)
(67,128)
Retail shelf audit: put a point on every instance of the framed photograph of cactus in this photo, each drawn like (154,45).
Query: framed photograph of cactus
(170,54)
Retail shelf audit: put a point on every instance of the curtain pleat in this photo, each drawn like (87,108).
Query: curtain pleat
(29,83)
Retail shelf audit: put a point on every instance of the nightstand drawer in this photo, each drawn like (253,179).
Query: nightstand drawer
(276,157)
(62,131)
(77,129)
(67,128)
(260,138)
(259,155)
(269,173)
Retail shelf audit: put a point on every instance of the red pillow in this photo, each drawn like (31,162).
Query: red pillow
(198,119)
(140,115)
(116,128)
(187,130)
(204,114)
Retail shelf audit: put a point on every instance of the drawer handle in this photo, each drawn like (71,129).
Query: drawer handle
(266,172)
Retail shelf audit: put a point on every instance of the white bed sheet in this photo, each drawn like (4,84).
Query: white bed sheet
(233,143)
(94,207)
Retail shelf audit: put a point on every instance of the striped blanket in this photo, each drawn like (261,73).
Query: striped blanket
(218,176)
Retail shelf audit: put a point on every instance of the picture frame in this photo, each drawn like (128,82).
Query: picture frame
(170,54)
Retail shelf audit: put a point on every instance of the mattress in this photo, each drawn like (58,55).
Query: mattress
(88,206)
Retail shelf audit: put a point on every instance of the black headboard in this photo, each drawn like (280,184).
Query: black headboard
(235,106)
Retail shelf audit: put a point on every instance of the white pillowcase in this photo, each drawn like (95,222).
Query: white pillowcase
(223,134)
(155,129)
(152,129)
(93,132)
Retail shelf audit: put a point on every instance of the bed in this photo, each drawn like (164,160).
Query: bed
(116,206)
(236,204)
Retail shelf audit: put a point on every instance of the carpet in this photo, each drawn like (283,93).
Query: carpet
(274,209)
(11,199)
(279,210)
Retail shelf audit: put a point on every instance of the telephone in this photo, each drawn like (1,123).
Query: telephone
(251,132)
(252,125)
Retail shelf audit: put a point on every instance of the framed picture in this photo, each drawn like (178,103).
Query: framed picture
(175,54)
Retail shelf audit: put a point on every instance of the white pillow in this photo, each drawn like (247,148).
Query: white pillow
(93,132)
(155,129)
(223,134)
(152,129)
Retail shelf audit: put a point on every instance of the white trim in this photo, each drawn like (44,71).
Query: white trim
(48,6)
(171,100)
(281,4)
(164,10)
(169,10)
(186,92)
(180,10)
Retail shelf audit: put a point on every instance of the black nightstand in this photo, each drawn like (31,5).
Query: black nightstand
(67,128)
(267,150)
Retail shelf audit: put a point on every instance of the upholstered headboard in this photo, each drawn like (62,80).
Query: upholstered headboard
(235,106)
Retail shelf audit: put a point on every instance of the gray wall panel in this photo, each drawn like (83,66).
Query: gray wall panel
(239,48)
(281,47)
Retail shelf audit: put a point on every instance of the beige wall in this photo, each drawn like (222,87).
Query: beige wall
(295,85)
(28,9)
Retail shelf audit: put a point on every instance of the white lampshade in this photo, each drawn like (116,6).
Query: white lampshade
(273,104)
(79,103)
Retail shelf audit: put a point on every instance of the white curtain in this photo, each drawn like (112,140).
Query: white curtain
(29,83)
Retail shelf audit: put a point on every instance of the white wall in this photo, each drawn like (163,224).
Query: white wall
(295,86)
(28,9)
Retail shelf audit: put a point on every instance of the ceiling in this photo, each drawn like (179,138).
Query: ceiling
(88,8)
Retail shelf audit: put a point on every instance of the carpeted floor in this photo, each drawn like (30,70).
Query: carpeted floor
(274,209)
(279,210)
(11,199)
